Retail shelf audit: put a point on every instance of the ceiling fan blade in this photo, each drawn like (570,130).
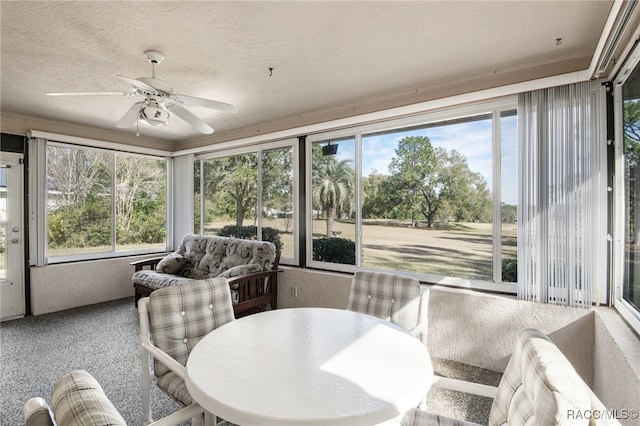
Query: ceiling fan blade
(188,116)
(130,117)
(139,84)
(89,94)
(207,103)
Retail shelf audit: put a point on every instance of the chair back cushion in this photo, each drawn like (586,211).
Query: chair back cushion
(391,297)
(78,399)
(539,386)
(183,314)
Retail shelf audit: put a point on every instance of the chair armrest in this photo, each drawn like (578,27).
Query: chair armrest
(36,411)
(276,261)
(423,324)
(466,387)
(165,359)
(419,329)
(254,291)
(151,263)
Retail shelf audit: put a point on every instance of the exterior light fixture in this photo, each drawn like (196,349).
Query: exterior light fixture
(330,149)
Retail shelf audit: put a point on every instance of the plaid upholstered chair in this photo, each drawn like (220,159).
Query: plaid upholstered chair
(392,297)
(172,321)
(395,298)
(539,387)
(78,399)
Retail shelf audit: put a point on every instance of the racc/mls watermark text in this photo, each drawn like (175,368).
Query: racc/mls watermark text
(607,414)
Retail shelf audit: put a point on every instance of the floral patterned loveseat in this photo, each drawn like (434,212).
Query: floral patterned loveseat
(250,266)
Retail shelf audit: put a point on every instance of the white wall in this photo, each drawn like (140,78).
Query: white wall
(617,362)
(466,326)
(69,285)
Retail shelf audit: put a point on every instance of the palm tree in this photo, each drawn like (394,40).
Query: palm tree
(333,188)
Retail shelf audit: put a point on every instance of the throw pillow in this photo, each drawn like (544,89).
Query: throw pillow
(171,263)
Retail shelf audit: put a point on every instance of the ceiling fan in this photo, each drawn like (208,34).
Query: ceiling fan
(159,100)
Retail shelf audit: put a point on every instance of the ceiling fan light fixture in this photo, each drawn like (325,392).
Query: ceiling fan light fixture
(153,113)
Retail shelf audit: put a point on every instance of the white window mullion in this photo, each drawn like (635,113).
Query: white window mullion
(497,198)
(201,183)
(358,201)
(309,201)
(37,201)
(171,237)
(180,204)
(114,195)
(259,204)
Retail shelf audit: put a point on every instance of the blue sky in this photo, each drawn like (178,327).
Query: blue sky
(471,139)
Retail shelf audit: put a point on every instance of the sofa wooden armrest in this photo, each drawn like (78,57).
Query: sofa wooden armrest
(150,263)
(255,291)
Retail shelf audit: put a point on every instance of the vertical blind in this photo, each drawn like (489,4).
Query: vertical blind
(562,214)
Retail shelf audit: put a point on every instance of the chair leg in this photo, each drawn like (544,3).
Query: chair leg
(210,419)
(198,421)
(423,404)
(146,388)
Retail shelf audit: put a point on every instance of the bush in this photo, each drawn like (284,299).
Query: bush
(250,233)
(334,250)
(83,225)
(509,270)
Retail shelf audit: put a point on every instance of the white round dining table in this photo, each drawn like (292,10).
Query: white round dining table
(309,366)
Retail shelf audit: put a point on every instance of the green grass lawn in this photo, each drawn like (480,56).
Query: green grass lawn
(456,249)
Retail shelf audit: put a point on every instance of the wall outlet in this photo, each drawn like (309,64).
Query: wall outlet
(294,291)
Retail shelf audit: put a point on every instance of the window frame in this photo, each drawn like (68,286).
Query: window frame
(258,149)
(626,310)
(39,209)
(492,107)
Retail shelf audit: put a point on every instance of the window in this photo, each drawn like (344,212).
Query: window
(628,282)
(101,202)
(248,195)
(509,195)
(333,201)
(426,196)
(230,192)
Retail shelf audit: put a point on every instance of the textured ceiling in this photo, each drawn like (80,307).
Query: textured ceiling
(329,59)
